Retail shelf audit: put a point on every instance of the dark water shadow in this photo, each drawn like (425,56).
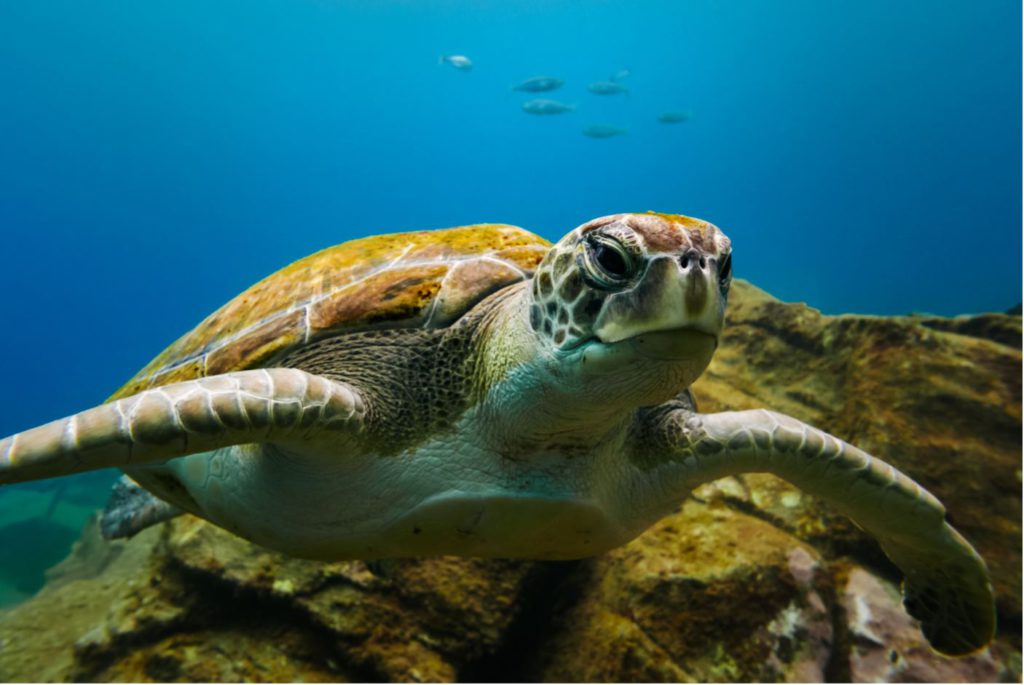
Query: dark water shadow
(29,548)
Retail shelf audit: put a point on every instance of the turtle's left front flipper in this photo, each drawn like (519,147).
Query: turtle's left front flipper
(946,585)
(262,405)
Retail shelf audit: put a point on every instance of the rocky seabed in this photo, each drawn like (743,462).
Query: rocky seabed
(750,580)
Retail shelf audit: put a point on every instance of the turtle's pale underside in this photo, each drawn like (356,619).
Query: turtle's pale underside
(478,391)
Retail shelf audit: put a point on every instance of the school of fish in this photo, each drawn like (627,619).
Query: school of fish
(546,106)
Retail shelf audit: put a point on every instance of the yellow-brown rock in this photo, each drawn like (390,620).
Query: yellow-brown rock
(708,594)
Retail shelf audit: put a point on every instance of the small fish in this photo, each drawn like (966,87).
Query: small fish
(607,88)
(460,62)
(542,106)
(603,131)
(539,84)
(619,75)
(674,117)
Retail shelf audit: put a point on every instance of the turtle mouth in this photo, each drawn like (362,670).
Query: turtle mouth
(671,344)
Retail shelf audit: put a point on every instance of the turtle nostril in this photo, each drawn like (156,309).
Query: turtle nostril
(693,257)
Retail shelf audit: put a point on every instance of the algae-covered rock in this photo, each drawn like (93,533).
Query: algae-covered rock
(750,580)
(885,645)
(708,594)
(421,620)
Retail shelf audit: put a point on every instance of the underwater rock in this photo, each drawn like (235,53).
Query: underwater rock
(48,638)
(886,645)
(708,594)
(750,580)
(191,602)
(418,622)
(1000,328)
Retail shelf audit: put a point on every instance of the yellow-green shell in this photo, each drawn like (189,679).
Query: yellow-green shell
(422,279)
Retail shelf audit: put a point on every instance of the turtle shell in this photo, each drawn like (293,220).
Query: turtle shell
(422,279)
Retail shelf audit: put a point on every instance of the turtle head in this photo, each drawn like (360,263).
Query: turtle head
(634,294)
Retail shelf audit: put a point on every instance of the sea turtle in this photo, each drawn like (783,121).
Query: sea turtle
(478,391)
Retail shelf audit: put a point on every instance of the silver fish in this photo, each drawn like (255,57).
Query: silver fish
(542,106)
(460,62)
(607,88)
(539,84)
(674,117)
(603,131)
(619,75)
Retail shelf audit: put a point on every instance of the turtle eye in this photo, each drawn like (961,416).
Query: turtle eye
(725,271)
(610,259)
(607,263)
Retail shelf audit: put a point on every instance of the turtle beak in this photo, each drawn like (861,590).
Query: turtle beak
(678,292)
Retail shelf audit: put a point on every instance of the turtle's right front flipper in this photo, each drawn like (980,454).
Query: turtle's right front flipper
(263,405)
(946,584)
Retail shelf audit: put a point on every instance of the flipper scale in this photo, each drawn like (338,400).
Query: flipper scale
(946,583)
(184,418)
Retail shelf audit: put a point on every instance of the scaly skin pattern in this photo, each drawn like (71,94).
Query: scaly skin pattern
(286,405)
(946,584)
(549,420)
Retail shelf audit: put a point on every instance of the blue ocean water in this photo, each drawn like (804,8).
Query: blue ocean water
(157,158)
